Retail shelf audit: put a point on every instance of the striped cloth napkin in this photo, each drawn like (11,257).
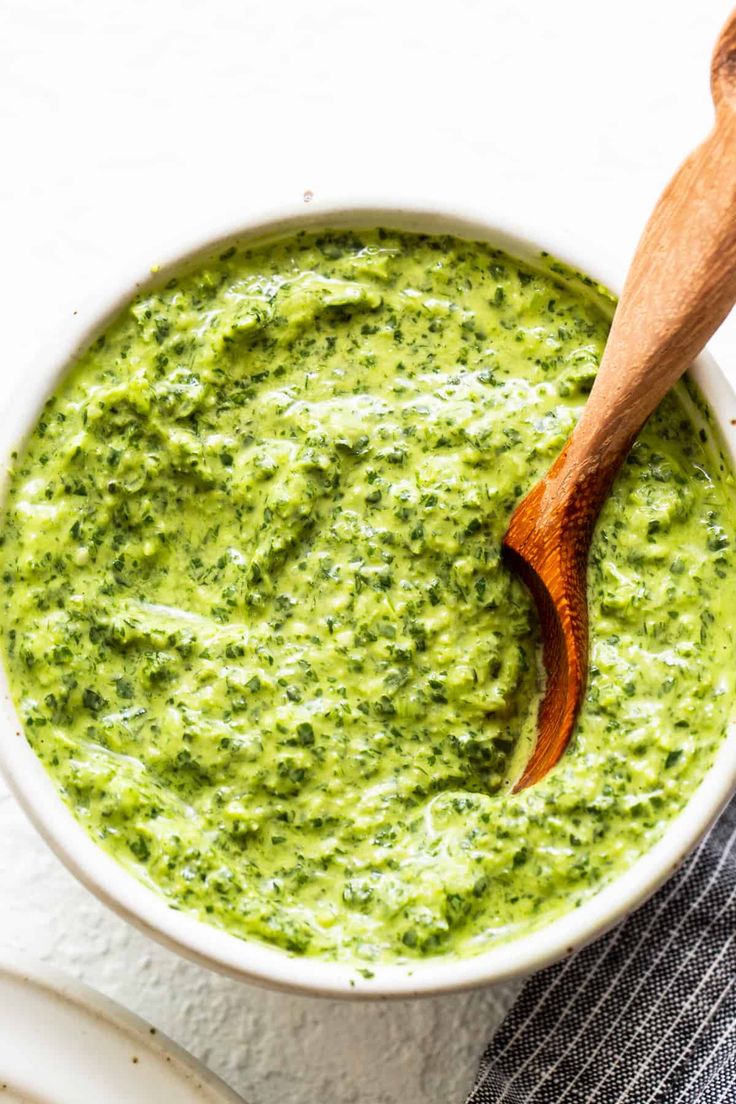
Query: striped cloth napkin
(647,1015)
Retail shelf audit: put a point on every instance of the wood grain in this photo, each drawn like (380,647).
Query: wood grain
(680,287)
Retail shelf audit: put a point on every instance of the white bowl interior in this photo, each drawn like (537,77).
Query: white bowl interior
(252,960)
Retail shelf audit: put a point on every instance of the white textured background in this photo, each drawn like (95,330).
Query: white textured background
(125,123)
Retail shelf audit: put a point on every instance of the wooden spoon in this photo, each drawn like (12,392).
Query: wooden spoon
(680,287)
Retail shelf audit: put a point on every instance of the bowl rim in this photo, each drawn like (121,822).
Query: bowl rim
(257,962)
(84,1016)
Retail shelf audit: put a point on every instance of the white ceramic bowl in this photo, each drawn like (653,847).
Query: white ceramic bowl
(254,961)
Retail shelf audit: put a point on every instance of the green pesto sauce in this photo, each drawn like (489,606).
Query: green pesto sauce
(258,629)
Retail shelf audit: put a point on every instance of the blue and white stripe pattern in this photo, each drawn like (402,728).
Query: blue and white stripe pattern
(646,1015)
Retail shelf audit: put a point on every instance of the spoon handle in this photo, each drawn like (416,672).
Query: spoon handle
(680,287)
